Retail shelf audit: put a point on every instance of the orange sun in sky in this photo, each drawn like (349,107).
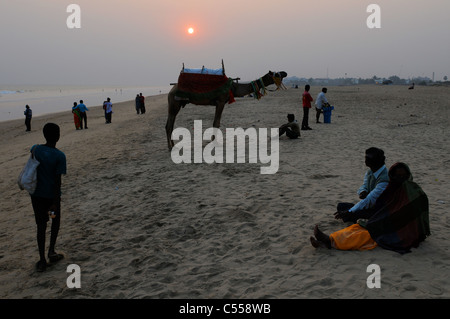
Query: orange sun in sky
(191,30)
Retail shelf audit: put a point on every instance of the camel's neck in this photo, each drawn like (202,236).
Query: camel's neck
(240,90)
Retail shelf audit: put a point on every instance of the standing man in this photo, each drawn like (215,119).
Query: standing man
(307,99)
(83,109)
(28,115)
(108,110)
(46,198)
(138,103)
(320,102)
(142,103)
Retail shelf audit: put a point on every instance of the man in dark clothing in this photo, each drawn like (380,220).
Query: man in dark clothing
(28,115)
(142,103)
(138,103)
(46,199)
(292,129)
(83,109)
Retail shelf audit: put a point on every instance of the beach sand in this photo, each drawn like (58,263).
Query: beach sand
(140,226)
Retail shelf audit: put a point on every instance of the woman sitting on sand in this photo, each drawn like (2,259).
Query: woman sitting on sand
(399,220)
(76,116)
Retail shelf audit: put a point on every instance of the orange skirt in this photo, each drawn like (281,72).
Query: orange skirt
(354,237)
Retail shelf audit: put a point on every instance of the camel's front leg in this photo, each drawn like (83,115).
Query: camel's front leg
(173,111)
(218,115)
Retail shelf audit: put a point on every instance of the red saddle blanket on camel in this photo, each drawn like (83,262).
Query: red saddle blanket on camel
(198,86)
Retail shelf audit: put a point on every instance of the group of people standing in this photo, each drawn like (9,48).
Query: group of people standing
(80,110)
(321,102)
(107,107)
(79,115)
(140,103)
(291,128)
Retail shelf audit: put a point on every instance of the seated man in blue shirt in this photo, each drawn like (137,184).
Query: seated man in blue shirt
(375,182)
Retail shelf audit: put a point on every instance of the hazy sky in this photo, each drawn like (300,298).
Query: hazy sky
(145,42)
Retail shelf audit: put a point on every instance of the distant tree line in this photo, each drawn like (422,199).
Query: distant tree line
(394,79)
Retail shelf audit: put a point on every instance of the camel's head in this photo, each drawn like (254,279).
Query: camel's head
(276,77)
(281,74)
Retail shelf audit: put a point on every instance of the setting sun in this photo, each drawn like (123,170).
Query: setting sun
(191,30)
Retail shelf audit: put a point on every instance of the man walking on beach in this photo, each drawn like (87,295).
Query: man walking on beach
(83,109)
(46,199)
(375,182)
(321,101)
(108,110)
(306,99)
(28,115)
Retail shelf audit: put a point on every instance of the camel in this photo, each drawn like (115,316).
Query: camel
(238,90)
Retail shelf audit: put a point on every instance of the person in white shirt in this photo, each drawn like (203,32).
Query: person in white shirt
(375,182)
(321,101)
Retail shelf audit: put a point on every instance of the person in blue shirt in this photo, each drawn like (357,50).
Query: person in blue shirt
(47,196)
(83,109)
(375,182)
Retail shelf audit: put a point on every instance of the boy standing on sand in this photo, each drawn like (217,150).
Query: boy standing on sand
(307,99)
(47,196)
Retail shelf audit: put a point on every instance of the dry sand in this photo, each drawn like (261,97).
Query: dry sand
(140,226)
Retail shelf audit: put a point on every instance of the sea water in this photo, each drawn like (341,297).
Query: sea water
(53,99)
